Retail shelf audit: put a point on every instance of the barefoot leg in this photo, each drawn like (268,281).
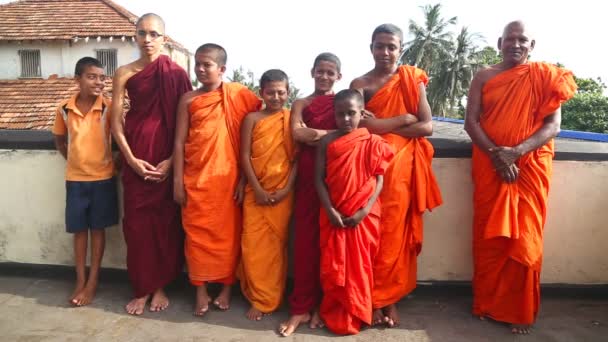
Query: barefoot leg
(521,329)
(80,261)
(137,305)
(222,301)
(202,301)
(391,315)
(288,327)
(98,242)
(254,314)
(315,320)
(159,301)
(377,317)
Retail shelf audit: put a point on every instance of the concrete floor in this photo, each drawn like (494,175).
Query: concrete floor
(33,307)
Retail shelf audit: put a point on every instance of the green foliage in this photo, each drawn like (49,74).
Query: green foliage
(487,56)
(450,61)
(586,111)
(590,85)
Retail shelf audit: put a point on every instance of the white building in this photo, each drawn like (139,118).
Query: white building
(43,39)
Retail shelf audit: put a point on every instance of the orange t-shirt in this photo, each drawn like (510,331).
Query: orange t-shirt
(89,139)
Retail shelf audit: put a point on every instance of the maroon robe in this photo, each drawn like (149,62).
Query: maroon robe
(306,293)
(151,221)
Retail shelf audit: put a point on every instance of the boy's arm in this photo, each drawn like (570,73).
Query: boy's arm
(354,220)
(334,216)
(59,134)
(424,126)
(388,125)
(261,196)
(182,124)
(301,133)
(61,145)
(141,167)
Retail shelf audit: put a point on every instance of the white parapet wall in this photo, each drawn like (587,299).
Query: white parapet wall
(33,202)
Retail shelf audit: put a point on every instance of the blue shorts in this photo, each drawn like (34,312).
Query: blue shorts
(90,205)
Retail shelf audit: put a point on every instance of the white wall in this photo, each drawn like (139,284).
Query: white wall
(60,57)
(33,200)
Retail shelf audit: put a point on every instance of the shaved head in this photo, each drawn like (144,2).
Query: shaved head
(220,57)
(154,17)
(515,25)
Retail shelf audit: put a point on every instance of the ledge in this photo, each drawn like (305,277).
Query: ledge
(445,147)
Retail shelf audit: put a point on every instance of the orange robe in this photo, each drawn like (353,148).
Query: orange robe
(509,218)
(211,217)
(353,162)
(409,189)
(263,270)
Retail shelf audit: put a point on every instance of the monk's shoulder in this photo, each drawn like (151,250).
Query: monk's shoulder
(487,73)
(124,72)
(362,82)
(188,97)
(303,102)
(253,117)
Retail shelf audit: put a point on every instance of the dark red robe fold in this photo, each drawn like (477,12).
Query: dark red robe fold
(151,221)
(306,293)
(347,254)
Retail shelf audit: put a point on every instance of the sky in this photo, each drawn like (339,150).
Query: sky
(288,35)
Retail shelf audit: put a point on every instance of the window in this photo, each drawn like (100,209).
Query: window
(107,57)
(30,63)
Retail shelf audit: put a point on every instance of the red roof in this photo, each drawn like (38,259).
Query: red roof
(31,103)
(66,20)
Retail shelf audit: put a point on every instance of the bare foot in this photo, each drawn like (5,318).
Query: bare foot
(85,297)
(288,327)
(254,314)
(222,301)
(202,301)
(137,305)
(521,329)
(316,321)
(482,318)
(159,301)
(79,287)
(377,317)
(391,315)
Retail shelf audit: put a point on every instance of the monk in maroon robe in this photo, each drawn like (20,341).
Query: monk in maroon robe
(151,221)
(306,294)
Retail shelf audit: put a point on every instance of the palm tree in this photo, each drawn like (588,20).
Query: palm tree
(431,41)
(451,77)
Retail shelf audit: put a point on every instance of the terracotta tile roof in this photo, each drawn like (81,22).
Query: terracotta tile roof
(31,103)
(67,19)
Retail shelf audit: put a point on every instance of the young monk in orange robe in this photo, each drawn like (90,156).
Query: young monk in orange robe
(350,164)
(207,180)
(513,114)
(267,159)
(397,97)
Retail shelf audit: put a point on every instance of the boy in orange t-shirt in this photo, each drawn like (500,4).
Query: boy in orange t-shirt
(82,136)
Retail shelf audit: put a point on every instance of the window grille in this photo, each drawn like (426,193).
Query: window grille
(107,57)
(30,63)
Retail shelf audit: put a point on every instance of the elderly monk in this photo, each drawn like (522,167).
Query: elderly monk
(513,114)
